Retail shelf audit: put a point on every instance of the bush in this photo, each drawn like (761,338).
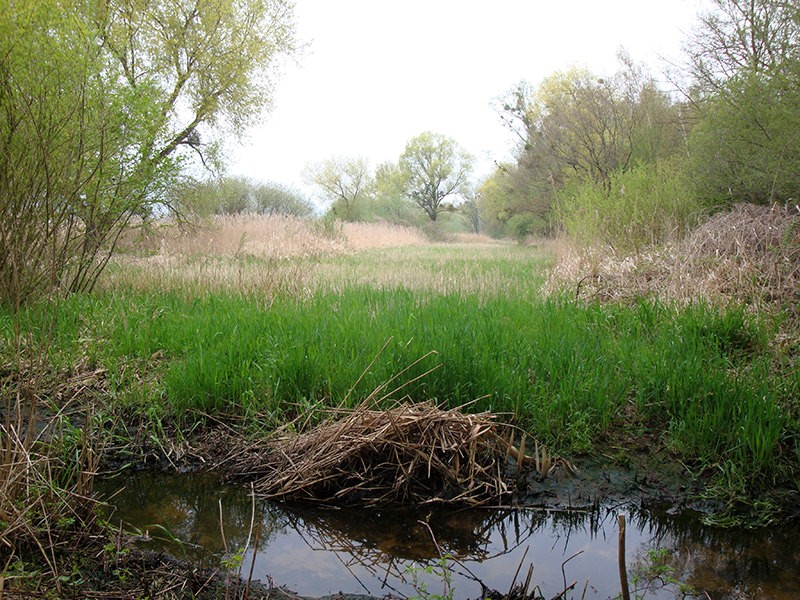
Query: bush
(524,225)
(636,209)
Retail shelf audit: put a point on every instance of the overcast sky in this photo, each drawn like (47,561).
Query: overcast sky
(376,73)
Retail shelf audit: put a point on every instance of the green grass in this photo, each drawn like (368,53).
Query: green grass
(702,380)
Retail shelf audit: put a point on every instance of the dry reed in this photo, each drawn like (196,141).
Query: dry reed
(255,255)
(48,459)
(410,454)
(748,254)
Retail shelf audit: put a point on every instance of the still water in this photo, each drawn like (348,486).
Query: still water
(316,552)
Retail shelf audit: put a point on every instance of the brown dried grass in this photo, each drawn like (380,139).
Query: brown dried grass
(46,508)
(256,255)
(362,236)
(271,237)
(748,254)
(414,453)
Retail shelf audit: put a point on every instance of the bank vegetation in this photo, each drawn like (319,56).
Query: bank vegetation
(629,282)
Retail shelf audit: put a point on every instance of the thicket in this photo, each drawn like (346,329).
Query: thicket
(615,160)
(632,211)
(237,196)
(98,128)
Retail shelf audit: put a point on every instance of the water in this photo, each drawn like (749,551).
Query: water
(316,551)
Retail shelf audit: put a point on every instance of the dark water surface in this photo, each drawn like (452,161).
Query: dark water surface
(316,552)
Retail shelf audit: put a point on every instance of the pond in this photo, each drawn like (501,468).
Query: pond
(318,551)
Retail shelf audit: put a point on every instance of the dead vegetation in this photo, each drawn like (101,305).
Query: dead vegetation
(748,254)
(268,237)
(414,453)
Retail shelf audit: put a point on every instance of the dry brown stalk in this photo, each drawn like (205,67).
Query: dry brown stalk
(413,453)
(750,253)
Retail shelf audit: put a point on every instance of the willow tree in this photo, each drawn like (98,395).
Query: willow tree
(119,96)
(343,183)
(434,167)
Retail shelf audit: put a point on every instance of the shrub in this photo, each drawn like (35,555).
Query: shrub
(633,210)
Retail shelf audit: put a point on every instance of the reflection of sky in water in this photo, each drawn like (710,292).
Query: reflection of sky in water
(317,552)
(294,564)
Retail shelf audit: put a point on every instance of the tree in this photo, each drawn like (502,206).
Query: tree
(745,66)
(343,183)
(96,129)
(434,167)
(277,199)
(509,197)
(575,128)
(389,202)
(239,195)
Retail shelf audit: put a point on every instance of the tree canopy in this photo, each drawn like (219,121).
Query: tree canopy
(575,127)
(434,167)
(343,182)
(121,97)
(744,62)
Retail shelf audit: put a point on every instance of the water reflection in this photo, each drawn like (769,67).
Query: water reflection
(318,551)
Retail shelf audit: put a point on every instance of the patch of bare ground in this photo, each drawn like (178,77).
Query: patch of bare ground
(748,254)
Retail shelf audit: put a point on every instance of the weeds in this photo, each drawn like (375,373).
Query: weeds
(700,378)
(272,331)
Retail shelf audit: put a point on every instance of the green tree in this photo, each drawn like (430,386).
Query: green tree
(96,129)
(278,199)
(238,195)
(434,167)
(344,183)
(389,201)
(509,197)
(576,128)
(745,68)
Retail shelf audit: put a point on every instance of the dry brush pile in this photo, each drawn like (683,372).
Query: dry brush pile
(410,454)
(750,254)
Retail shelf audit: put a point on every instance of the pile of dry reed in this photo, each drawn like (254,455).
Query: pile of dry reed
(748,254)
(410,454)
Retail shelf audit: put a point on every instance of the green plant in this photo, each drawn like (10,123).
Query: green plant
(654,574)
(440,569)
(634,210)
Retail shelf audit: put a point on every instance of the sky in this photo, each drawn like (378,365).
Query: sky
(373,74)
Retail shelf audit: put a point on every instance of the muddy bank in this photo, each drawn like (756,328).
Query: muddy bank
(643,477)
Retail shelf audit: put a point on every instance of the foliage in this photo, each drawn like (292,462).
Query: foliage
(638,209)
(96,131)
(344,184)
(389,202)
(509,203)
(240,195)
(576,129)
(434,168)
(442,570)
(745,65)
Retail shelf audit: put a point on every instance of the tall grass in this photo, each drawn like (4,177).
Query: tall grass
(571,373)
(455,323)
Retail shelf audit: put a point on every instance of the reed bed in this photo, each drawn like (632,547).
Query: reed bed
(262,257)
(748,254)
(414,453)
